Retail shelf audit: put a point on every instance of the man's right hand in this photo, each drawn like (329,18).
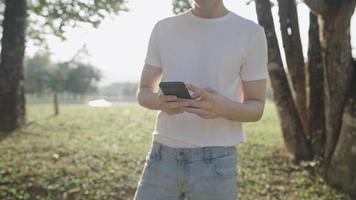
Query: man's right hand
(170,104)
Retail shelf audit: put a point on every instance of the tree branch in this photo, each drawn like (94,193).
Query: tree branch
(317,6)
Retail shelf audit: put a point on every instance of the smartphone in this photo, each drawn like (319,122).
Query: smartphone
(176,88)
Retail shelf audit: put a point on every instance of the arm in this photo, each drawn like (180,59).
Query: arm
(213,105)
(253,78)
(254,95)
(149,97)
(147,94)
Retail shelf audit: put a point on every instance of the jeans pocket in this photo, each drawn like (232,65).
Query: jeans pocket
(225,166)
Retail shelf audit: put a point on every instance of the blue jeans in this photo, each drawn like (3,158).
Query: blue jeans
(206,173)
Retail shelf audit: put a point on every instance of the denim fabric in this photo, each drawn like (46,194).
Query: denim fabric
(206,173)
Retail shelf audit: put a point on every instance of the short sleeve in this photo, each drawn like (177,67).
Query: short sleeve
(153,55)
(255,62)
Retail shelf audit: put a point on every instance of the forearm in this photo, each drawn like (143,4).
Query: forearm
(148,98)
(248,111)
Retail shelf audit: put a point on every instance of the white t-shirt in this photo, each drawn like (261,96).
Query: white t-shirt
(215,52)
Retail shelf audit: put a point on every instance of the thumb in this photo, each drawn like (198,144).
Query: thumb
(209,89)
(197,90)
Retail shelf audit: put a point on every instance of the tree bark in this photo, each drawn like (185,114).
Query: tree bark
(341,172)
(288,17)
(315,80)
(332,95)
(12,99)
(338,69)
(292,128)
(317,6)
(340,97)
(338,166)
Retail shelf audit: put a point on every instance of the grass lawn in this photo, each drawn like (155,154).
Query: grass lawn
(99,153)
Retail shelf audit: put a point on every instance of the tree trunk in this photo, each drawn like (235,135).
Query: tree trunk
(341,172)
(339,164)
(288,17)
(336,51)
(55,102)
(340,96)
(292,128)
(315,79)
(332,96)
(12,99)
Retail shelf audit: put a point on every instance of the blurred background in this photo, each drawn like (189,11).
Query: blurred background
(71,128)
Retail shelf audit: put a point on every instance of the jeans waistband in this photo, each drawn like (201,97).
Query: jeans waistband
(164,152)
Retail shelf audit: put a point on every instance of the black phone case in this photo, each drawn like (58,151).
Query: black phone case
(176,88)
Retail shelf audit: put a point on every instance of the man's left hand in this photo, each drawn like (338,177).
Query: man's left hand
(210,105)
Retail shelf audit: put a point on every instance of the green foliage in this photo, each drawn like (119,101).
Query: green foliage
(98,153)
(180,6)
(58,77)
(54,17)
(37,73)
(75,77)
(82,78)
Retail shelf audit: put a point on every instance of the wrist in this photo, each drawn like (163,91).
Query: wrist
(229,109)
(157,101)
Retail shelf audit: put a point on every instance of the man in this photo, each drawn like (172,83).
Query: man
(222,59)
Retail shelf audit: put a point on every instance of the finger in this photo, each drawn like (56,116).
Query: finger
(209,89)
(194,96)
(197,90)
(183,102)
(177,110)
(197,104)
(178,105)
(172,105)
(197,111)
(168,97)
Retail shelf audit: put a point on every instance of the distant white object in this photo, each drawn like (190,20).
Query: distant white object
(99,103)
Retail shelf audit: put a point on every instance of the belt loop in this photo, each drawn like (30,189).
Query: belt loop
(159,152)
(207,154)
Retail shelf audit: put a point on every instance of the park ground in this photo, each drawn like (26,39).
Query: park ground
(99,153)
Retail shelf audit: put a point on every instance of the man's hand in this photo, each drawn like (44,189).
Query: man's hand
(210,105)
(170,104)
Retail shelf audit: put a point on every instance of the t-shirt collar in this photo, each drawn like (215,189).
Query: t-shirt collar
(208,20)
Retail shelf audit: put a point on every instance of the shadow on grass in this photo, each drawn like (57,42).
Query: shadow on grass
(5,134)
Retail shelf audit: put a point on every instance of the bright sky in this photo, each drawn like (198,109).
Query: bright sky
(118,46)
